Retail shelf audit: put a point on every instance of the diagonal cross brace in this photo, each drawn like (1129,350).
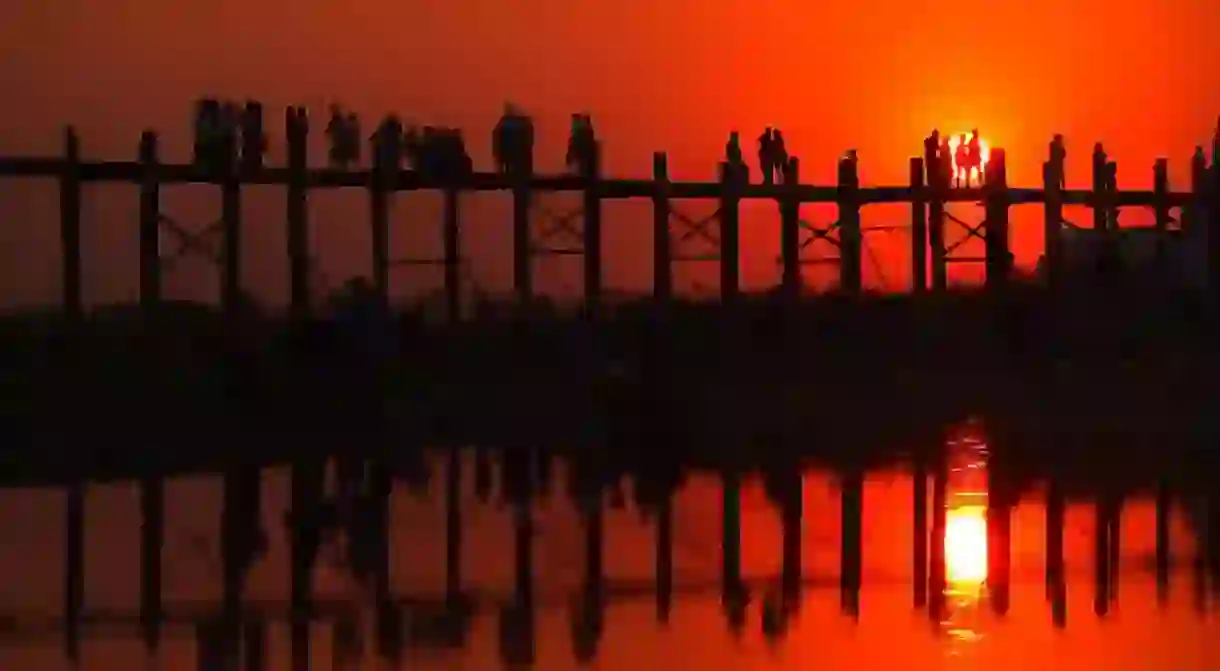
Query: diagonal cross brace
(819,233)
(975,231)
(201,244)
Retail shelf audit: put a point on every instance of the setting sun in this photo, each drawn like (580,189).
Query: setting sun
(966,544)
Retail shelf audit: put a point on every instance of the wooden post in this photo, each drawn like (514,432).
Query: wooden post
(792,513)
(240,529)
(1055,509)
(523,276)
(919,230)
(150,224)
(790,229)
(1100,199)
(383,179)
(850,556)
(523,535)
(1052,221)
(995,233)
(1114,520)
(593,229)
(937,186)
(1101,557)
(595,534)
(453,525)
(999,519)
(730,247)
(296,130)
(850,236)
(1164,504)
(731,583)
(1160,190)
(152,539)
(919,527)
(307,477)
(69,226)
(937,576)
(230,218)
(664,556)
(452,234)
(662,262)
(74,567)
(381,488)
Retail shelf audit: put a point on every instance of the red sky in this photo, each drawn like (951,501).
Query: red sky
(874,75)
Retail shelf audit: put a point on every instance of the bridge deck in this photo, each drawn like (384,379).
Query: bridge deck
(610,188)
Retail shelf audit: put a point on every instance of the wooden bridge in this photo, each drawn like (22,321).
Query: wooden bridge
(927,193)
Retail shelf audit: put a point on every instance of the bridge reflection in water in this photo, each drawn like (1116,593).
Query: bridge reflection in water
(554,580)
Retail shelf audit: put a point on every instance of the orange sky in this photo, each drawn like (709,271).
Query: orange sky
(874,75)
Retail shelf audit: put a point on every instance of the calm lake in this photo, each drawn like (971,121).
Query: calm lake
(1137,633)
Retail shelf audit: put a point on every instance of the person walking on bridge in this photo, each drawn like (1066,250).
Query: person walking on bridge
(513,142)
(1058,160)
(734,159)
(582,144)
(779,155)
(931,157)
(974,151)
(766,155)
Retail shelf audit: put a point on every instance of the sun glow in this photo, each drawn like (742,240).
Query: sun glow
(967,173)
(966,545)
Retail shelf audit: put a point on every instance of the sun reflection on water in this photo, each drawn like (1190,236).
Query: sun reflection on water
(965,542)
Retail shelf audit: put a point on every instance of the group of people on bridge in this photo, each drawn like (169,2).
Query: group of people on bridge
(957,164)
(229,135)
(512,143)
(773,158)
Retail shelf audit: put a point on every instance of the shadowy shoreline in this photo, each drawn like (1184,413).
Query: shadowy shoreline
(1095,377)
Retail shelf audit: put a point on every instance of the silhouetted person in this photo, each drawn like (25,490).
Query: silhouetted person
(207,133)
(454,159)
(343,132)
(1099,161)
(231,126)
(734,158)
(948,164)
(766,155)
(961,162)
(253,137)
(387,143)
(1058,156)
(851,157)
(931,155)
(513,142)
(779,155)
(974,151)
(582,143)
